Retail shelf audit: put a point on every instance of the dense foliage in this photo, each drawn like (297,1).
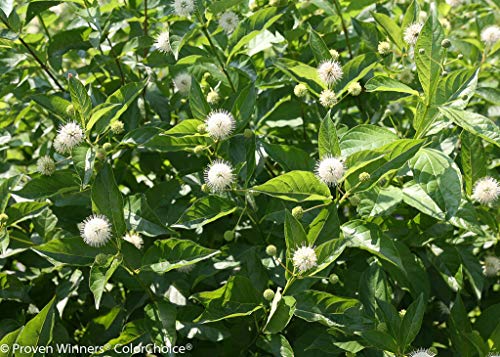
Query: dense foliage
(250,178)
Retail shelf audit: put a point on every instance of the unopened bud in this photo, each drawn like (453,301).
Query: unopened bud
(107,147)
(446,43)
(271,250)
(421,51)
(117,127)
(228,236)
(333,279)
(248,133)
(298,212)
(198,149)
(201,128)
(205,188)
(100,154)
(268,294)
(364,176)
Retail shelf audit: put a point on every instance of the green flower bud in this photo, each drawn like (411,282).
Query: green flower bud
(268,294)
(446,43)
(354,89)
(213,97)
(229,235)
(205,188)
(364,176)
(384,48)
(334,53)
(421,51)
(107,147)
(100,154)
(117,127)
(460,56)
(198,149)
(444,74)
(271,250)
(298,212)
(333,279)
(248,133)
(70,110)
(402,313)
(101,259)
(300,90)
(3,218)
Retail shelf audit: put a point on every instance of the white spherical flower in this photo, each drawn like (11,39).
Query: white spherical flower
(422,352)
(490,35)
(162,43)
(219,124)
(183,7)
(486,190)
(45,165)
(300,90)
(454,3)
(354,89)
(412,32)
(219,175)
(384,48)
(182,82)
(330,170)
(228,21)
(304,258)
(491,266)
(135,239)
(330,71)
(328,98)
(69,136)
(95,230)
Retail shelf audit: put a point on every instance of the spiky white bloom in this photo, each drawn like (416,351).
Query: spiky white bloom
(182,82)
(330,170)
(95,230)
(454,3)
(183,7)
(162,43)
(490,35)
(384,48)
(422,352)
(135,239)
(486,190)
(412,32)
(330,71)
(491,265)
(219,175)
(45,165)
(328,98)
(219,124)
(69,136)
(304,258)
(228,21)
(354,89)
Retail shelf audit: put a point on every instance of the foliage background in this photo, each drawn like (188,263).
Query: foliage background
(410,239)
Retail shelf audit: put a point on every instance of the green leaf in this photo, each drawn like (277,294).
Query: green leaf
(380,340)
(390,28)
(100,273)
(60,182)
(220,6)
(71,251)
(365,137)
(107,200)
(204,211)
(429,55)
(325,226)
(415,196)
(173,253)
(83,160)
(412,321)
(439,177)
(387,84)
(38,331)
(244,106)
(296,186)
(474,123)
(197,101)
(21,211)
(457,88)
(276,345)
(473,159)
(280,314)
(80,99)
(289,157)
(295,237)
(355,70)
(318,47)
(327,253)
(236,298)
(11,288)
(53,103)
(328,141)
(63,41)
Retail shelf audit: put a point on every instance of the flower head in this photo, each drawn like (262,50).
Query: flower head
(412,32)
(219,124)
(117,127)
(300,90)
(334,53)
(213,97)
(162,43)
(183,7)
(95,230)
(454,3)
(304,258)
(328,98)
(330,170)
(219,175)
(486,190)
(384,48)
(69,136)
(491,265)
(182,82)
(330,71)
(354,89)
(135,239)
(228,21)
(490,35)
(421,352)
(45,165)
